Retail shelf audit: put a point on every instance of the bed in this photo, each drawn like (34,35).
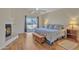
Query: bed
(51,34)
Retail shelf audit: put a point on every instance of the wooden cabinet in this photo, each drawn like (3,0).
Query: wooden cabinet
(72,34)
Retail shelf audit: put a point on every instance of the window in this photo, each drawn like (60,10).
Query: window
(31,23)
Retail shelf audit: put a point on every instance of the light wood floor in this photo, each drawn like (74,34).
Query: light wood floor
(33,45)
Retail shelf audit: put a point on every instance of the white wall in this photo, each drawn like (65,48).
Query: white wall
(61,16)
(19,17)
(4,15)
(2,33)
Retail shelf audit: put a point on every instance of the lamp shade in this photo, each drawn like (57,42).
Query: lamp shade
(73,24)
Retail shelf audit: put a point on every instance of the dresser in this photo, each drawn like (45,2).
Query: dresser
(73,35)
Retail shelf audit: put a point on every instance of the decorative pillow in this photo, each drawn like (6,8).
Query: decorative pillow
(52,26)
(55,26)
(59,27)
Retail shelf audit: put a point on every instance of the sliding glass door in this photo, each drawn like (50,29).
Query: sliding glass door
(31,23)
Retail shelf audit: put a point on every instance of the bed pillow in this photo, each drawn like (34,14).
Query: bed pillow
(55,26)
(59,27)
(50,26)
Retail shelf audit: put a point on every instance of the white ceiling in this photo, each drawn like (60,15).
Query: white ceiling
(39,11)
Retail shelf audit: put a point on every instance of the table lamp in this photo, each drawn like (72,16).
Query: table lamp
(73,24)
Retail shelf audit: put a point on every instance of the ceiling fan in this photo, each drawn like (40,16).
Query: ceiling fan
(39,10)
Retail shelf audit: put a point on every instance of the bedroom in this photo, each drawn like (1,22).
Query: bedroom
(56,29)
(66,18)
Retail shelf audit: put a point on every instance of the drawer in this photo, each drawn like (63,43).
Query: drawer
(72,31)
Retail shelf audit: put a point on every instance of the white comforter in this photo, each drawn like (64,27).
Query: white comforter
(54,35)
(51,34)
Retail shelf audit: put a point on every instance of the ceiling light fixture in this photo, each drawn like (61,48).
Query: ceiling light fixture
(37,9)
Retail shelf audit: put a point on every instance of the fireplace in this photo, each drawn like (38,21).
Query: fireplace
(8,30)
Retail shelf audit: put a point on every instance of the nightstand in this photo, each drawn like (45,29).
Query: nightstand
(72,34)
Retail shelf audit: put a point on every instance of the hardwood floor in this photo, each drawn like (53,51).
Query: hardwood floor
(33,45)
(26,42)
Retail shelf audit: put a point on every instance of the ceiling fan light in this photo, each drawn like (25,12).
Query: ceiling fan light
(37,8)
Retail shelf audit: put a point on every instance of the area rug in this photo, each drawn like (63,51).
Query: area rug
(68,45)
